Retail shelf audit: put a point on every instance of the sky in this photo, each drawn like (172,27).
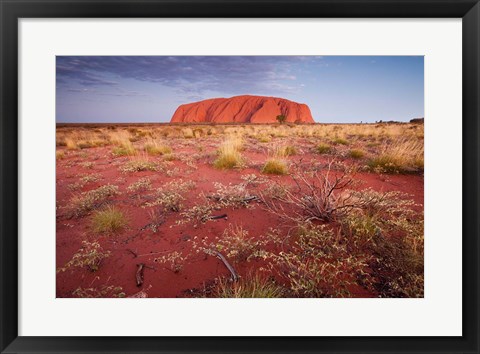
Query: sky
(338,89)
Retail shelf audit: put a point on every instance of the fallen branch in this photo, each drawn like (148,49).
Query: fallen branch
(228,265)
(216,217)
(139,274)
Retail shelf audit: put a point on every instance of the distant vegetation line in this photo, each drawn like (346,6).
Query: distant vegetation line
(91,124)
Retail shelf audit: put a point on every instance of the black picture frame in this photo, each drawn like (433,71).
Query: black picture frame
(11,11)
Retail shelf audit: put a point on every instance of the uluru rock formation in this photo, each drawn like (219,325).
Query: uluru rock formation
(242,109)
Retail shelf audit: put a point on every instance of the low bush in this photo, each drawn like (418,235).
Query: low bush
(171,196)
(139,165)
(318,265)
(236,244)
(84,203)
(174,260)
(340,141)
(90,256)
(143,184)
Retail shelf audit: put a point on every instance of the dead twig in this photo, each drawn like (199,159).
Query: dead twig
(133,253)
(220,256)
(139,274)
(130,238)
(216,217)
(319,195)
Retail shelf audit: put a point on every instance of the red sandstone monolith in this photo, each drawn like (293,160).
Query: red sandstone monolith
(242,109)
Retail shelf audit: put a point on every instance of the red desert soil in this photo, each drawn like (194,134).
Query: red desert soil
(242,109)
(139,244)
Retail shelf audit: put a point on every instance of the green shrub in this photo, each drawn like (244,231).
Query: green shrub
(143,184)
(281,118)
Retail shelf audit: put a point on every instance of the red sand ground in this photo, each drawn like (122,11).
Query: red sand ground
(120,268)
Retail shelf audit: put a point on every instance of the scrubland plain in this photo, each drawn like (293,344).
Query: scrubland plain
(278,210)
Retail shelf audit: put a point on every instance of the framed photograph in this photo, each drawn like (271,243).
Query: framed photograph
(220,176)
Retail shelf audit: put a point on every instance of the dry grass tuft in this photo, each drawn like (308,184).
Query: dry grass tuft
(401,156)
(59,155)
(275,166)
(188,133)
(323,149)
(108,221)
(122,142)
(229,155)
(254,286)
(126,149)
(152,147)
(284,151)
(356,154)
(264,138)
(340,141)
(71,144)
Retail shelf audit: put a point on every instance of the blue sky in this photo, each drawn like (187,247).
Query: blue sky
(338,89)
